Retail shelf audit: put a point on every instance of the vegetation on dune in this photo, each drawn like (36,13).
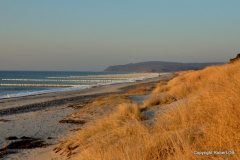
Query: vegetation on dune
(205,118)
(139,90)
(235,59)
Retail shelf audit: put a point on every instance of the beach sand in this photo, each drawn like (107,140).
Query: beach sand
(38,116)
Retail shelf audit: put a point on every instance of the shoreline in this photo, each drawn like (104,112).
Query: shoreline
(41,117)
(37,102)
(99,80)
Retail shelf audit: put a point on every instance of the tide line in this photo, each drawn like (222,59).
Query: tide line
(60,80)
(39,85)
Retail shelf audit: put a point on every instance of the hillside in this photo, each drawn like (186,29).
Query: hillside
(159,66)
(193,116)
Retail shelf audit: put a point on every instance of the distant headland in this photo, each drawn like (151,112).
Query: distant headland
(159,66)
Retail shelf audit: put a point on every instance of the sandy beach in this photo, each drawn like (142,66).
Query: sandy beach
(43,101)
(38,116)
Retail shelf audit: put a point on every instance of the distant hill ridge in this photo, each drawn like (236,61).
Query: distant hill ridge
(159,66)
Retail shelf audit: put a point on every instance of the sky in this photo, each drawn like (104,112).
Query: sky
(90,35)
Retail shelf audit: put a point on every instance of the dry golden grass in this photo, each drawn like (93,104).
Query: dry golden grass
(161,83)
(139,90)
(208,122)
(105,131)
(100,106)
(160,88)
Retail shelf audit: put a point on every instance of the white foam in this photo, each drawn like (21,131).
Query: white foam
(43,91)
(76,87)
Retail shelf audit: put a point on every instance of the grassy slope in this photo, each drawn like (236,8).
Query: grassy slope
(208,121)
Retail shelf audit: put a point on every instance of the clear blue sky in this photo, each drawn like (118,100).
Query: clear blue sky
(87,35)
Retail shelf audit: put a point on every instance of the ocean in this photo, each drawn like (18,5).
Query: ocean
(24,83)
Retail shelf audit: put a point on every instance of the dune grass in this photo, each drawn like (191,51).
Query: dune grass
(208,122)
(100,106)
(139,90)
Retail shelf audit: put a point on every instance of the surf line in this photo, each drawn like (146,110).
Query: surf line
(38,85)
(60,80)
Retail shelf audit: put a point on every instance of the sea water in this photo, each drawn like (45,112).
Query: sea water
(53,78)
